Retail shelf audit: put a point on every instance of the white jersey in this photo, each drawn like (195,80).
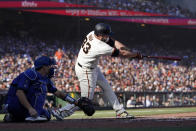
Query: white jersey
(91,49)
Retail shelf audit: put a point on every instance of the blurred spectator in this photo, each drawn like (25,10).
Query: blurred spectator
(139,102)
(150,6)
(157,101)
(131,102)
(148,102)
(123,74)
(58,54)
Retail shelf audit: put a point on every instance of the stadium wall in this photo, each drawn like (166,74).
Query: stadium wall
(136,100)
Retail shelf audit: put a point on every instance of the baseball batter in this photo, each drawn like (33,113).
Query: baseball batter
(96,44)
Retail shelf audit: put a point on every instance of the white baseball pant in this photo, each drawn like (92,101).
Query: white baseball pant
(88,79)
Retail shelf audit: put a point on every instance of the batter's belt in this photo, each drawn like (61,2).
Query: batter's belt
(85,67)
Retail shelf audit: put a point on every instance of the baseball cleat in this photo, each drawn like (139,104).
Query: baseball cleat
(57,114)
(124,115)
(36,119)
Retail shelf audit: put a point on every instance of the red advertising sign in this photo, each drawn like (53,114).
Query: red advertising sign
(36,4)
(151,19)
(148,18)
(161,21)
(95,12)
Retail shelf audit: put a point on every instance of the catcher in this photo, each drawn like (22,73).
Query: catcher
(27,94)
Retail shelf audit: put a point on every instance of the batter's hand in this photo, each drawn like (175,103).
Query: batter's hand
(124,51)
(139,55)
(33,112)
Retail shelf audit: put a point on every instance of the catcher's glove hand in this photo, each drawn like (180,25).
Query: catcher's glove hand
(86,105)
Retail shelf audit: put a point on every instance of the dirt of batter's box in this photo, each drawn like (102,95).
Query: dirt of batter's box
(166,120)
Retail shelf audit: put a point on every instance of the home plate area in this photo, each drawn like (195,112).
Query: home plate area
(166,120)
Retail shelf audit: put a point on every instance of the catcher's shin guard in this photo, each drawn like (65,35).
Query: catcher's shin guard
(65,111)
(57,114)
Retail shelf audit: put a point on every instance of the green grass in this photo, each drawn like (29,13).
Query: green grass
(135,112)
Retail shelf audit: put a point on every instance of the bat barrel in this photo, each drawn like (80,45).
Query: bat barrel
(165,57)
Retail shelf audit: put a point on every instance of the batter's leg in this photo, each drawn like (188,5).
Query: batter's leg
(108,92)
(87,79)
(111,96)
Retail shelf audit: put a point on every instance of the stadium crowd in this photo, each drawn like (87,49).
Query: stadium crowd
(123,74)
(150,6)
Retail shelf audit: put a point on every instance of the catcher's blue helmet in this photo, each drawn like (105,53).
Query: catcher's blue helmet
(43,61)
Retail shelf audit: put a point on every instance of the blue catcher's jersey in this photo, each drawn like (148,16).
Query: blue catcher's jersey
(34,86)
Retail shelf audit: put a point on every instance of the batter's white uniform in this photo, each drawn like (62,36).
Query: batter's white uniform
(89,74)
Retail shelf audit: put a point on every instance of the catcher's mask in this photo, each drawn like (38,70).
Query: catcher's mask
(45,61)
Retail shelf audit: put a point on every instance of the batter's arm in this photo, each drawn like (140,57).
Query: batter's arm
(124,51)
(118,44)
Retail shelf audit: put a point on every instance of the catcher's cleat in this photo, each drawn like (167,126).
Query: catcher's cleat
(36,119)
(124,115)
(8,118)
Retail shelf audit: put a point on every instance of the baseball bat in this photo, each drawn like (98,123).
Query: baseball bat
(174,58)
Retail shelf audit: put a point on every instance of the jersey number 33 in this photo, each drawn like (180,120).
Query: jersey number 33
(86,46)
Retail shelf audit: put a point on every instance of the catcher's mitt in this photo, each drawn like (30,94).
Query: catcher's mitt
(86,105)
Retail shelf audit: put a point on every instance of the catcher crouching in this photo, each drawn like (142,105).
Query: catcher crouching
(27,93)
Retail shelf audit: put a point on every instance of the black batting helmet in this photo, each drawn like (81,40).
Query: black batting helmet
(102,29)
